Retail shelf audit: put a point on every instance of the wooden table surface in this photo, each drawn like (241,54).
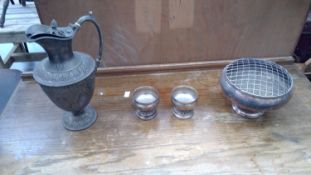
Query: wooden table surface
(215,140)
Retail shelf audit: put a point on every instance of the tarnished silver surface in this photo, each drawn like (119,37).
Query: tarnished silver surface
(85,119)
(255,86)
(184,99)
(145,100)
(67,77)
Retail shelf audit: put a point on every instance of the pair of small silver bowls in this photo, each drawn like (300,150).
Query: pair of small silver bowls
(146,98)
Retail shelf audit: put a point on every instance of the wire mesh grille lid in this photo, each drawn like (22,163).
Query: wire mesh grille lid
(259,78)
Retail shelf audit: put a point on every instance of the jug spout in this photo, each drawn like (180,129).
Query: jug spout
(56,41)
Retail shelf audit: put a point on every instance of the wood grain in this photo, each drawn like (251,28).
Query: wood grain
(190,31)
(140,69)
(215,141)
(148,16)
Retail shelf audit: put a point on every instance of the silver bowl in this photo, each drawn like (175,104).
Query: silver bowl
(145,100)
(184,99)
(255,86)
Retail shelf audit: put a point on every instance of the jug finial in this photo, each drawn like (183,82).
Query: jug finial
(54,24)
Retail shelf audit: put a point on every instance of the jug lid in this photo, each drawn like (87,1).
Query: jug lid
(39,31)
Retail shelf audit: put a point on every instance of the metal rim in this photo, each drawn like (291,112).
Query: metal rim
(289,89)
(185,86)
(145,87)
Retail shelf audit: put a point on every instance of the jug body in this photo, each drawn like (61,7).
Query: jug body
(67,77)
(72,94)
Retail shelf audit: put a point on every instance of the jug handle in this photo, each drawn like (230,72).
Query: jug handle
(91,18)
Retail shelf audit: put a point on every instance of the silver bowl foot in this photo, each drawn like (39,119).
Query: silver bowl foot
(146,115)
(81,121)
(182,114)
(246,114)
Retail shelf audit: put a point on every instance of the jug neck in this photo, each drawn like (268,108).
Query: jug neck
(58,50)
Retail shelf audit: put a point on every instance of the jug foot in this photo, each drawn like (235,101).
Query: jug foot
(81,121)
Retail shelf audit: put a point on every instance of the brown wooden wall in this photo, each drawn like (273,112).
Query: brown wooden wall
(140,32)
